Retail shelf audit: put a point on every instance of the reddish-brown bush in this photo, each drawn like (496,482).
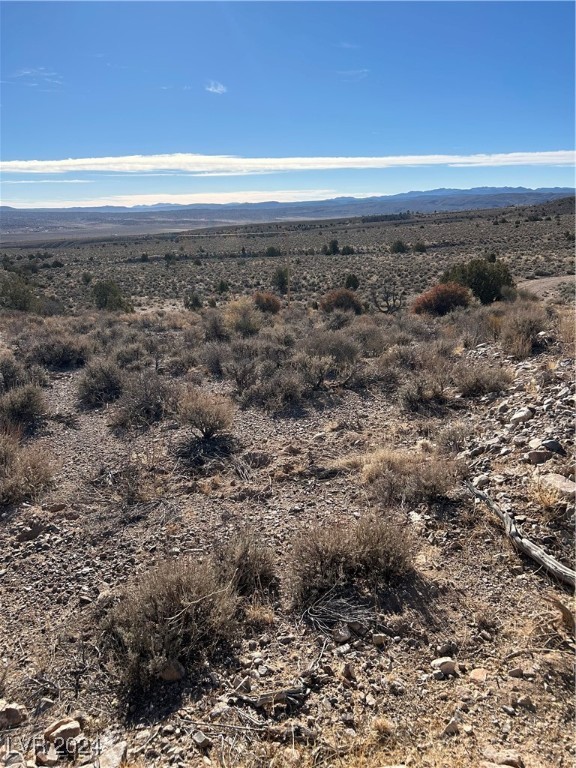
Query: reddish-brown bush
(267,302)
(341,298)
(441,299)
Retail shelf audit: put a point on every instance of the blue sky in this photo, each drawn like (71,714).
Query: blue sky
(143,102)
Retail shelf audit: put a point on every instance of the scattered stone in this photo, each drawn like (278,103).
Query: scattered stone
(564,487)
(341,634)
(554,446)
(481,481)
(526,703)
(201,740)
(446,665)
(47,757)
(539,457)
(63,729)
(516,672)
(114,757)
(172,671)
(379,640)
(11,714)
(503,757)
(478,675)
(509,710)
(452,728)
(524,414)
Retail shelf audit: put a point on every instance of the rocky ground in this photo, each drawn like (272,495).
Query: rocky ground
(470,663)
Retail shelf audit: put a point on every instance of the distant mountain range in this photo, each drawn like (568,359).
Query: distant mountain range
(47,223)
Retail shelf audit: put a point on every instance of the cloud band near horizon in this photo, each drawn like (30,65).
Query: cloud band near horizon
(233,165)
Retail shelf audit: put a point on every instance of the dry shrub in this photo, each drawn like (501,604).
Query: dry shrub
(341,298)
(248,565)
(267,302)
(23,408)
(520,328)
(452,438)
(208,414)
(102,382)
(243,318)
(179,612)
(423,392)
(24,469)
(284,388)
(475,379)
(373,551)
(59,350)
(147,398)
(409,476)
(442,299)
(12,373)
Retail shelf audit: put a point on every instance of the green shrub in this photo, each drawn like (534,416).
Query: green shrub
(442,299)
(485,278)
(352,282)
(107,295)
(15,293)
(280,279)
(193,301)
(399,246)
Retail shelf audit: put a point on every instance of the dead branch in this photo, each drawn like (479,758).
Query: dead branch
(536,553)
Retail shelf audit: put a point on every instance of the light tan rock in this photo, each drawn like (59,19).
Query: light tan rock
(564,487)
(63,730)
(114,756)
(478,675)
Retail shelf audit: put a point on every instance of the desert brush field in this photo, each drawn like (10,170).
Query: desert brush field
(255,489)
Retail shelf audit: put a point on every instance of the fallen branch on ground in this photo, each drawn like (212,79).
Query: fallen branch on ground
(536,553)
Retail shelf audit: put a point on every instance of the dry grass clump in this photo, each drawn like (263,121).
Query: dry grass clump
(372,551)
(452,438)
(102,382)
(180,613)
(24,469)
(206,413)
(242,317)
(22,408)
(475,379)
(403,476)
(520,328)
(248,565)
(147,398)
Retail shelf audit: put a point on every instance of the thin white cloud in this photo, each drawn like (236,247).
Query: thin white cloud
(233,165)
(354,75)
(215,87)
(33,76)
(48,181)
(250,196)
